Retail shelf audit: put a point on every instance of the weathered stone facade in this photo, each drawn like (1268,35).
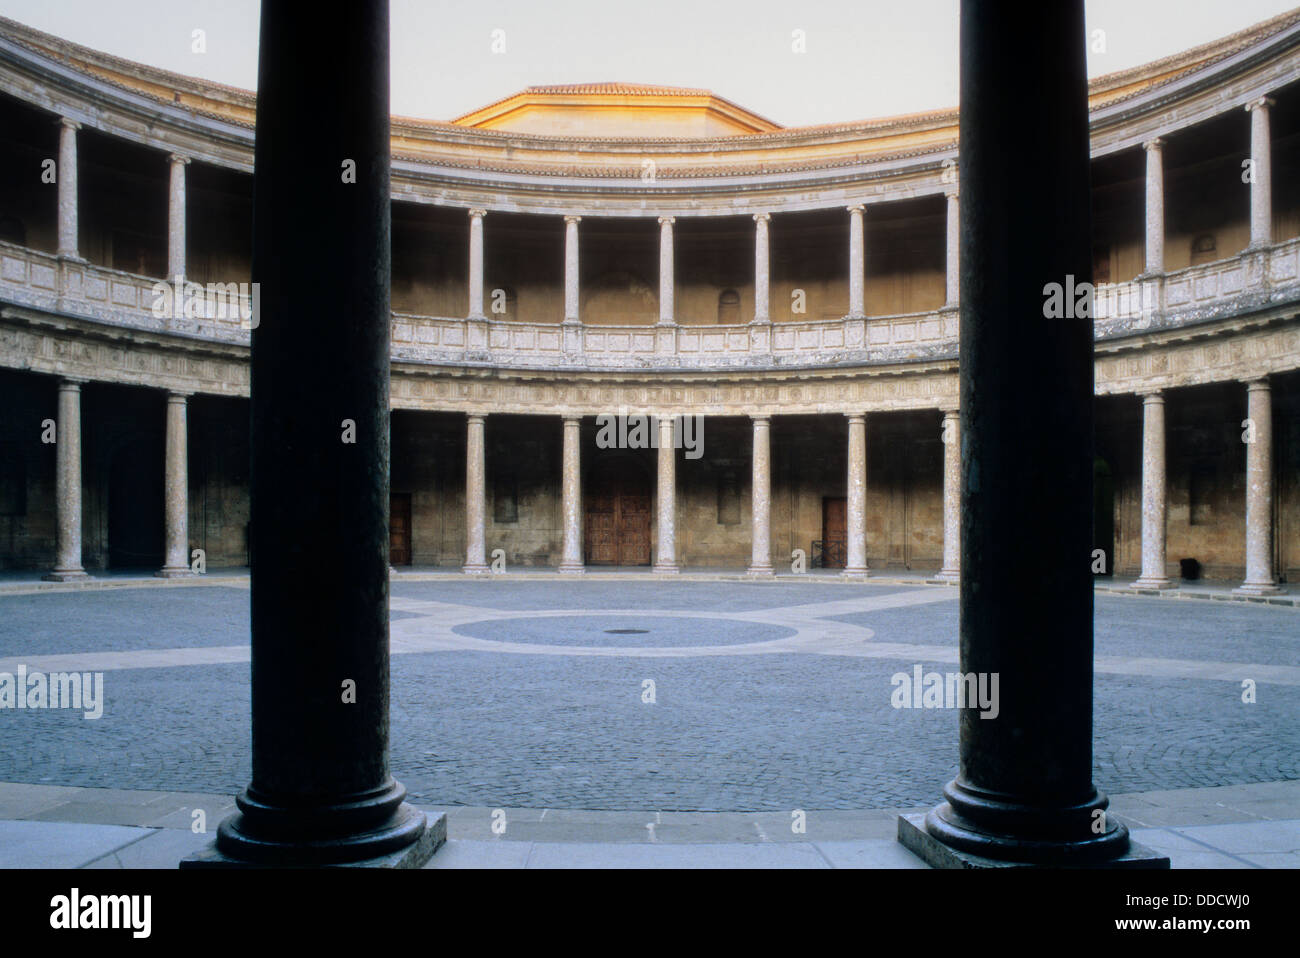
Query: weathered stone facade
(794,288)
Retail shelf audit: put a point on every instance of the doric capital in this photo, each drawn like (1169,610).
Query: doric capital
(856,209)
(180,158)
(1258,385)
(1151,396)
(477,212)
(762,217)
(952,192)
(69,122)
(475,419)
(71,383)
(761,420)
(1155,143)
(1260,102)
(178,396)
(573,218)
(950,411)
(856,417)
(667,220)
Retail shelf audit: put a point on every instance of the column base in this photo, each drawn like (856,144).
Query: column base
(65,575)
(174,572)
(572,568)
(476,568)
(995,825)
(913,836)
(665,569)
(1162,583)
(856,572)
(1258,588)
(760,570)
(947,577)
(414,855)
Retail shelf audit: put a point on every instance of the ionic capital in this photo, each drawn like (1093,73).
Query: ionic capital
(1263,102)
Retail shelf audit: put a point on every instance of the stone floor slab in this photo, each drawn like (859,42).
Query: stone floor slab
(61,844)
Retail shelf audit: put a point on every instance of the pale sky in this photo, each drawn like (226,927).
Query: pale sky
(863,59)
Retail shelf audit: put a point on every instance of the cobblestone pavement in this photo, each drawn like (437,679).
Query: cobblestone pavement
(767,696)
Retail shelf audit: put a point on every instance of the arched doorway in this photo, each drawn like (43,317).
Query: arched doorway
(617,501)
(135,505)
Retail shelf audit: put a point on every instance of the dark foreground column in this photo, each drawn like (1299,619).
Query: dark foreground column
(1024,790)
(321,792)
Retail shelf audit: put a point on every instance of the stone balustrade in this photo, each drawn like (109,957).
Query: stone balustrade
(1251,280)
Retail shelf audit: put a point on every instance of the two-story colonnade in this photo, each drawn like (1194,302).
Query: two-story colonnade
(571,252)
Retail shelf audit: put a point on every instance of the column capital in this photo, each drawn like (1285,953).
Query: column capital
(178,396)
(180,158)
(853,417)
(573,418)
(1152,395)
(1260,102)
(759,419)
(69,122)
(474,417)
(952,192)
(667,220)
(950,412)
(72,382)
(1156,143)
(762,217)
(477,211)
(572,218)
(856,208)
(1260,384)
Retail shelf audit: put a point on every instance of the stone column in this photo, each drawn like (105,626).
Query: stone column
(760,562)
(857,264)
(856,559)
(1155,206)
(571,268)
(321,790)
(666,314)
(571,503)
(1261,188)
(666,493)
(176,544)
(67,483)
(1154,494)
(1259,493)
(476,263)
(762,270)
(952,248)
(176,222)
(951,571)
(66,172)
(1024,791)
(475,497)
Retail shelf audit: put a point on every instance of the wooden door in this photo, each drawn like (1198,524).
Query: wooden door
(617,504)
(835,536)
(399,528)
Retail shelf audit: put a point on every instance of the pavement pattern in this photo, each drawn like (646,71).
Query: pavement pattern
(766,696)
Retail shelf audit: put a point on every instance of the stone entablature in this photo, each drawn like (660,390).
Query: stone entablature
(807,168)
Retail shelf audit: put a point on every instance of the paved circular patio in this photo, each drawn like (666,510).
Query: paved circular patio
(766,696)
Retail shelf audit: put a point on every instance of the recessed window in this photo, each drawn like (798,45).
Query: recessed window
(1204,249)
(729,308)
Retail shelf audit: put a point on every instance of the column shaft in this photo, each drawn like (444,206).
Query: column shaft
(571,497)
(176,222)
(476,263)
(1154,495)
(67,483)
(66,173)
(857,281)
(321,790)
(1155,206)
(1259,493)
(666,493)
(856,560)
(176,549)
(952,249)
(475,497)
(666,314)
(1024,788)
(571,268)
(762,271)
(951,570)
(1261,187)
(760,562)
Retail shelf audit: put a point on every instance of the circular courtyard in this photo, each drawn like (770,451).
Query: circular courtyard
(678,695)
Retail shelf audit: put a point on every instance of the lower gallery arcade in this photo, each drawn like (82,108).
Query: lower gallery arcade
(141,477)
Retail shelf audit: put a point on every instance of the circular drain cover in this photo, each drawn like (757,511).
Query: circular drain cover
(626,631)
